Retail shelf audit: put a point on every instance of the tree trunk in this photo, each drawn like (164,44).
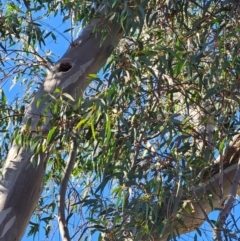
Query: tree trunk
(21,183)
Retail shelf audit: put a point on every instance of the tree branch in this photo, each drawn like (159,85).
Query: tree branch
(231,177)
(228,203)
(62,193)
(21,183)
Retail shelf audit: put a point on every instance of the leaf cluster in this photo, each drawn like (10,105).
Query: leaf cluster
(142,125)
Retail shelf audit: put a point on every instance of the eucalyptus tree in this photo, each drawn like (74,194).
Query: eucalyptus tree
(145,149)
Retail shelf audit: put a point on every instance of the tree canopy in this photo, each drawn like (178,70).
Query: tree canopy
(154,134)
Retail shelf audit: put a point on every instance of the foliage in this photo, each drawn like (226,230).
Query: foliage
(142,125)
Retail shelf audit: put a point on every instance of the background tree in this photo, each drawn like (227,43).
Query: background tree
(151,146)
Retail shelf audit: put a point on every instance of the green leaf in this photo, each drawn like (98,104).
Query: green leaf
(39,101)
(80,123)
(178,68)
(28,124)
(67,30)
(3,97)
(92,77)
(93,129)
(108,128)
(50,134)
(68,96)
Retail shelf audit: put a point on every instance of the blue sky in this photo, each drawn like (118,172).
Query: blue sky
(58,49)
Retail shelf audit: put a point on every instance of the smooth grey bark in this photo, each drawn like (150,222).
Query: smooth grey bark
(63,226)
(21,182)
